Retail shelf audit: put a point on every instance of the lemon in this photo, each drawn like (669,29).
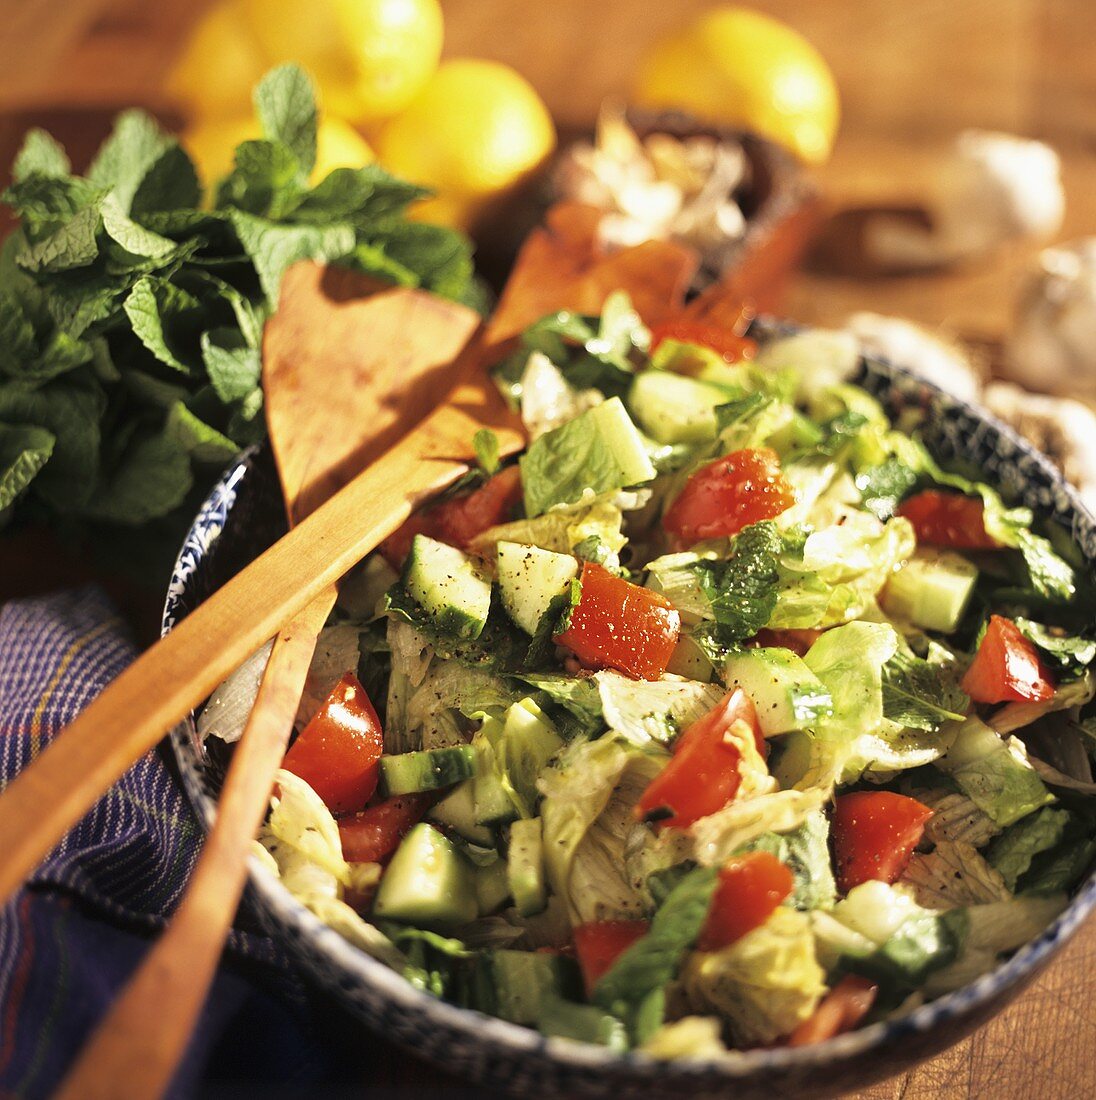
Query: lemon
(211,143)
(745,69)
(219,64)
(369,57)
(476,131)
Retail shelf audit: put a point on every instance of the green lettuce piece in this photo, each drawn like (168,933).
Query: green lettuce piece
(1012,853)
(922,694)
(954,873)
(518,748)
(563,530)
(849,660)
(902,943)
(653,711)
(764,985)
(820,359)
(995,773)
(834,574)
(883,486)
(721,835)
(805,850)
(574,703)
(587,810)
(751,421)
(642,971)
(992,930)
(597,452)
(1068,654)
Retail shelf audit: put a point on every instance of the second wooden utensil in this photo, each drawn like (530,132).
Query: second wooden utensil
(347,364)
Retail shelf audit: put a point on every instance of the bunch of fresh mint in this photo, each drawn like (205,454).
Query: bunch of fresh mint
(131,314)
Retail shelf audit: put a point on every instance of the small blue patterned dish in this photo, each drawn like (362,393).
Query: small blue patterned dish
(243,515)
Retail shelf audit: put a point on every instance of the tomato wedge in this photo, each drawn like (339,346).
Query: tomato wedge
(1007,667)
(840,1010)
(617,624)
(750,887)
(950,520)
(731,346)
(729,494)
(458,520)
(374,833)
(598,944)
(704,773)
(337,752)
(874,835)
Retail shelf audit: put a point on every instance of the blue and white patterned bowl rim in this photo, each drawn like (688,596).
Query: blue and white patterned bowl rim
(964,431)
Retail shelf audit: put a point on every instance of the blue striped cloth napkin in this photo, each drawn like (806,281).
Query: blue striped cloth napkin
(70,938)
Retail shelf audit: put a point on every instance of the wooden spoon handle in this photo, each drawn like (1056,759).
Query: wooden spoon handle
(138,1044)
(177,673)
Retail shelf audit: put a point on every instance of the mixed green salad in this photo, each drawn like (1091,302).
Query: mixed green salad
(723,718)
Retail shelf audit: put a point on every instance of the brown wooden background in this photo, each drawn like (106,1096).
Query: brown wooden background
(912,73)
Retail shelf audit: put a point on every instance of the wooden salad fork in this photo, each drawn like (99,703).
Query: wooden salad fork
(347,364)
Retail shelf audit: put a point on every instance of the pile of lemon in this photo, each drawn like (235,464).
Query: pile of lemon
(472,130)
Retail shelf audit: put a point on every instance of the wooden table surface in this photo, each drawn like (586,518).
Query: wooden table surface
(912,74)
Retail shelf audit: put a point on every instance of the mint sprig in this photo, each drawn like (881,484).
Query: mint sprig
(131,314)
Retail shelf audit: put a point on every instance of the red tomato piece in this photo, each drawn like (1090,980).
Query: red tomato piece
(947,519)
(617,624)
(798,641)
(704,773)
(839,1011)
(374,833)
(750,887)
(874,835)
(598,944)
(729,494)
(1007,667)
(731,346)
(336,754)
(458,520)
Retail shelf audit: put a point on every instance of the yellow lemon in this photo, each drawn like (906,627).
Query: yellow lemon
(474,132)
(211,143)
(219,65)
(369,57)
(745,69)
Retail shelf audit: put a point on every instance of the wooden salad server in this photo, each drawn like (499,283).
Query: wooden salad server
(176,674)
(341,380)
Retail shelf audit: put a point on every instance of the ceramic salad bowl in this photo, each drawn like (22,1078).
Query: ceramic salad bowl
(243,515)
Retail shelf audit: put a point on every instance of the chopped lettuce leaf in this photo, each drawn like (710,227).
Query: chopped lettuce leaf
(517,749)
(805,850)
(992,930)
(921,694)
(574,703)
(1068,654)
(953,873)
(658,710)
(299,819)
(587,810)
(995,773)
(819,358)
(764,985)
(597,452)
(849,660)
(563,530)
(548,399)
(955,816)
(689,1037)
(229,707)
(1011,853)
(720,835)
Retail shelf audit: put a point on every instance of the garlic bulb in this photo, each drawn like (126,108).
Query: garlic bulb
(658,188)
(908,345)
(1053,344)
(991,189)
(1063,429)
